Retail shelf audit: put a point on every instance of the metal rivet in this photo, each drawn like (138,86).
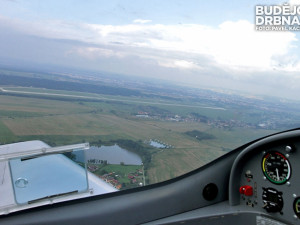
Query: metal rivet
(288,148)
(295,216)
(294,195)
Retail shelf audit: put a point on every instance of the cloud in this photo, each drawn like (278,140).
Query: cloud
(232,53)
(294,2)
(179,64)
(142,21)
(234,45)
(94,53)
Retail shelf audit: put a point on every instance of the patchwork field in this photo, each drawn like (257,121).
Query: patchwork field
(61,121)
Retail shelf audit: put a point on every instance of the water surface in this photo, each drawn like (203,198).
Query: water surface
(112,154)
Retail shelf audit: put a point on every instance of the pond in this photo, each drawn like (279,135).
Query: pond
(111,154)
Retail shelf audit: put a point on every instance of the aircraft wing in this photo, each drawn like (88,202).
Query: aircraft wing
(34,174)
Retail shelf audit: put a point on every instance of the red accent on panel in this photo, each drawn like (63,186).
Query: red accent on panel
(246,190)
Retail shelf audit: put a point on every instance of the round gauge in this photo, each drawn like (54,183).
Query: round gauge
(276,167)
(272,199)
(297,207)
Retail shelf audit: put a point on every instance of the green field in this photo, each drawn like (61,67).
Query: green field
(61,121)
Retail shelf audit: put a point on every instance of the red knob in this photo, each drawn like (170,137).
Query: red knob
(246,190)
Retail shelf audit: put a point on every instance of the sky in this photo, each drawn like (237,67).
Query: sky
(191,42)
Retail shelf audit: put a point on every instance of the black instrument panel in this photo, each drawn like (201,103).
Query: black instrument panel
(265,177)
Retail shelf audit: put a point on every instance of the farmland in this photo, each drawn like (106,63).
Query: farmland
(198,127)
(62,121)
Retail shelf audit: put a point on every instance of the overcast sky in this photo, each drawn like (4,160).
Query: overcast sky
(199,43)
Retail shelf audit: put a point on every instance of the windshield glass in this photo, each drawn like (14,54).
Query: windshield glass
(157,88)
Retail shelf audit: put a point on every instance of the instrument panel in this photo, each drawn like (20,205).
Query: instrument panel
(267,178)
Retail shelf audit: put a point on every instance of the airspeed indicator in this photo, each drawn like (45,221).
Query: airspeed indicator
(276,167)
